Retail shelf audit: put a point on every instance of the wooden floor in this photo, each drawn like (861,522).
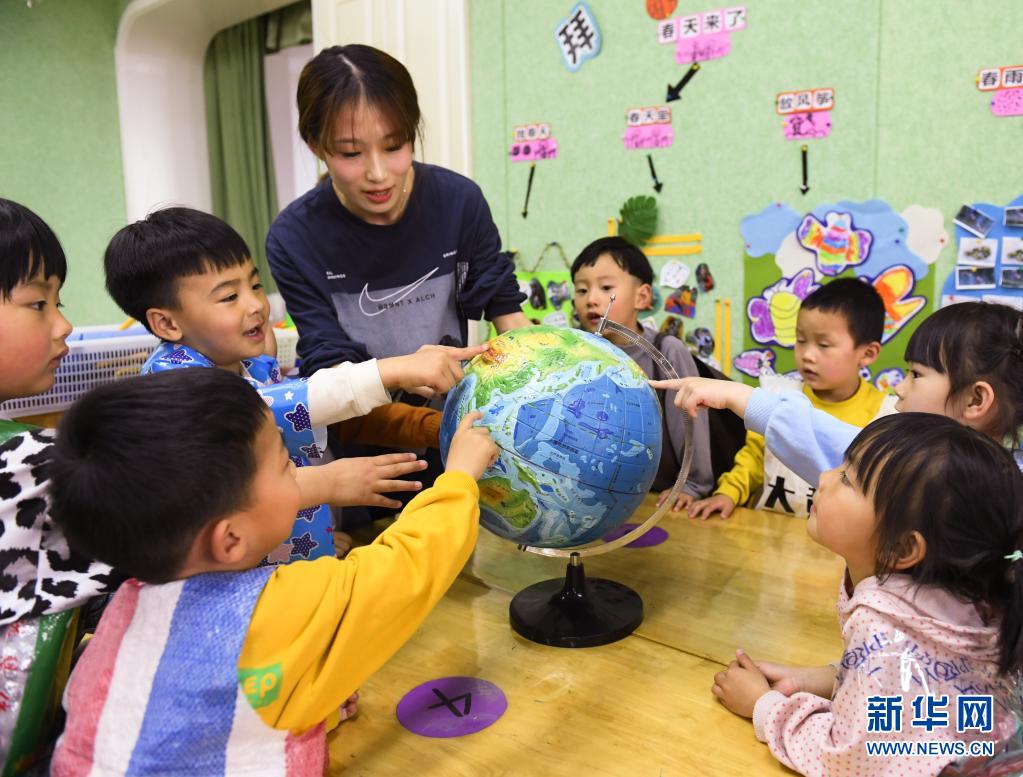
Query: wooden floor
(641,706)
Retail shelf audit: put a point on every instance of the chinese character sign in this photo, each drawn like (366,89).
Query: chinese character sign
(578,37)
(807,113)
(648,127)
(532,143)
(702,36)
(1005,82)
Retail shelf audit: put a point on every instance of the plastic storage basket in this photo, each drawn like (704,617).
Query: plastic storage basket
(97,354)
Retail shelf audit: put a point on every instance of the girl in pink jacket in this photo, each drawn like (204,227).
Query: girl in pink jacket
(928,515)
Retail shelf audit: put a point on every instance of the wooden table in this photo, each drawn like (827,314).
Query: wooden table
(641,706)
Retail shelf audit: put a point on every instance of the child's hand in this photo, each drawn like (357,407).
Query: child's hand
(471,450)
(694,393)
(363,480)
(818,680)
(740,685)
(705,508)
(432,370)
(682,501)
(350,708)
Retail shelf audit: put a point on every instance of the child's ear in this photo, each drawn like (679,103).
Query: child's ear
(912,550)
(980,401)
(644,297)
(869,353)
(226,544)
(163,324)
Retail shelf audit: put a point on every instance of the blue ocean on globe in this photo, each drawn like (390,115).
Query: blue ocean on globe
(578,428)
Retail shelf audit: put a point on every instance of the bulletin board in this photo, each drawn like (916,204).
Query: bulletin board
(902,123)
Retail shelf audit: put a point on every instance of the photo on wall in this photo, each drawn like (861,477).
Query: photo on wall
(968,277)
(1012,277)
(977,252)
(1012,250)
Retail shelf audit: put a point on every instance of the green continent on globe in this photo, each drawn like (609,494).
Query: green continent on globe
(516,507)
(521,357)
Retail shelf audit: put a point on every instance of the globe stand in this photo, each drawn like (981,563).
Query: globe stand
(581,612)
(576,612)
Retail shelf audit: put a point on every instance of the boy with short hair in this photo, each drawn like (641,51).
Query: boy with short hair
(614,265)
(209,663)
(188,276)
(838,332)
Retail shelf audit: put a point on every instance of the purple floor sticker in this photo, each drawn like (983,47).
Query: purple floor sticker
(451,707)
(654,536)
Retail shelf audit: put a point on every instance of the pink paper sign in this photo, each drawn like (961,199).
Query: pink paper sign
(1007,102)
(534,150)
(799,126)
(649,136)
(700,48)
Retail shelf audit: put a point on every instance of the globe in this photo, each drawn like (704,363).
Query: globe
(579,433)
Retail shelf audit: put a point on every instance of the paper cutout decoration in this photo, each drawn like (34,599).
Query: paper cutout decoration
(894,284)
(837,243)
(660,9)
(451,707)
(702,36)
(703,277)
(682,302)
(533,142)
(578,37)
(801,126)
(772,315)
(674,274)
(702,340)
(755,362)
(648,127)
(672,325)
(807,113)
(1006,82)
(557,318)
(887,380)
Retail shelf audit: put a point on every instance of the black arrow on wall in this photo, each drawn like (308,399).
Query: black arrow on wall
(653,174)
(804,188)
(529,188)
(675,92)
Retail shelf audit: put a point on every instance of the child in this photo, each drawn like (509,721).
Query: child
(208,659)
(42,582)
(964,361)
(838,332)
(189,278)
(614,265)
(928,516)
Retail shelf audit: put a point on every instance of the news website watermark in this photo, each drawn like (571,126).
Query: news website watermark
(930,713)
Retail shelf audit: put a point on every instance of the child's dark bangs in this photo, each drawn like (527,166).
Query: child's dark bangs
(929,344)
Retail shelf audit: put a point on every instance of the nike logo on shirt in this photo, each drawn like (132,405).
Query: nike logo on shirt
(392,298)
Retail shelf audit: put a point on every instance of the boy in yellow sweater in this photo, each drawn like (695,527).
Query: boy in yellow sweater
(838,332)
(208,663)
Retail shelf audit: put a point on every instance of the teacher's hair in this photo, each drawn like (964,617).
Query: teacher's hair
(343,76)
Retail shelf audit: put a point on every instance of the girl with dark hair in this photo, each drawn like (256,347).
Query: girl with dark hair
(964,361)
(928,515)
(385,254)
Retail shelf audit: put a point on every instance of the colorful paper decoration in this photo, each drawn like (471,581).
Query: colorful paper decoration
(837,243)
(578,36)
(660,9)
(533,142)
(755,362)
(1004,82)
(648,127)
(772,315)
(702,36)
(894,285)
(886,380)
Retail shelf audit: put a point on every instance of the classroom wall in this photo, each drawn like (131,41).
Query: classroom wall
(60,148)
(909,125)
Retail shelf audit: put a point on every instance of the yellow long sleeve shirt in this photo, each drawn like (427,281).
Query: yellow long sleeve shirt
(319,629)
(746,476)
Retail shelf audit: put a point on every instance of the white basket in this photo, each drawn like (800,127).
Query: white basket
(88,364)
(287,347)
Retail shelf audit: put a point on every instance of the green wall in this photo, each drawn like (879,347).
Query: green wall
(60,147)
(909,124)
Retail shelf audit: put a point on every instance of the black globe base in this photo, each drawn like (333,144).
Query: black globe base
(576,612)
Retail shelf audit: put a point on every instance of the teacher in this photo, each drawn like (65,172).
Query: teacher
(385,254)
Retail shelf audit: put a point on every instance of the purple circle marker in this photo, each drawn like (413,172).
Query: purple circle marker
(451,707)
(654,536)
